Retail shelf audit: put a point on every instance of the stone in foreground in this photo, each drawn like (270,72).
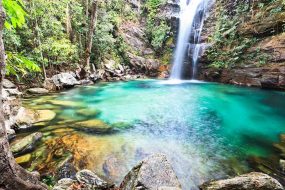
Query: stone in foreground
(155,172)
(251,181)
(91,180)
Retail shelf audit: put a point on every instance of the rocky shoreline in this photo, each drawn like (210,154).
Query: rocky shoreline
(155,172)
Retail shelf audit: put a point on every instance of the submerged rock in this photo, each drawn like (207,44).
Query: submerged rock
(113,168)
(24,159)
(91,180)
(65,103)
(37,91)
(26,144)
(251,181)
(87,112)
(94,125)
(155,172)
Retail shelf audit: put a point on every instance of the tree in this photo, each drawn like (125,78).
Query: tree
(12,175)
(93,20)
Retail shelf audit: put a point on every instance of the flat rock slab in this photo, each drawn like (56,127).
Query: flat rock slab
(37,91)
(155,172)
(251,181)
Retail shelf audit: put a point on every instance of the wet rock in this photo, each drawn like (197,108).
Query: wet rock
(91,180)
(69,150)
(93,125)
(26,144)
(22,160)
(8,84)
(113,168)
(37,91)
(26,117)
(251,181)
(87,112)
(155,172)
(64,80)
(64,184)
(66,169)
(121,125)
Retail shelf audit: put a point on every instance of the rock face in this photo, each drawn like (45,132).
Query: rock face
(261,61)
(26,144)
(64,80)
(251,181)
(11,105)
(153,173)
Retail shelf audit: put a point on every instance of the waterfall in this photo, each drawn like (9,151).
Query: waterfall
(191,19)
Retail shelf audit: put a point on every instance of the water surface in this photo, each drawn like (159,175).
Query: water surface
(207,130)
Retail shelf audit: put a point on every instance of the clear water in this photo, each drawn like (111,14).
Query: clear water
(206,129)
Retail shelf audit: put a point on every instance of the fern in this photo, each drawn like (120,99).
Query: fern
(19,65)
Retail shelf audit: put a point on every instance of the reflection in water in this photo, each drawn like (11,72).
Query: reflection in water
(207,130)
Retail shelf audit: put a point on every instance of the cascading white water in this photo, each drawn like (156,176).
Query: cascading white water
(192,13)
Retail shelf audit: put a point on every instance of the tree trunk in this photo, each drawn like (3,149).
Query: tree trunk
(12,176)
(69,29)
(93,20)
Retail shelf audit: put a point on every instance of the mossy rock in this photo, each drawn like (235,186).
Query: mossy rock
(121,125)
(65,103)
(25,159)
(86,112)
(25,144)
(94,126)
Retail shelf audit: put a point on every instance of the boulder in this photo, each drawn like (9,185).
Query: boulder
(155,172)
(64,80)
(26,144)
(91,180)
(8,84)
(26,117)
(64,184)
(93,125)
(250,181)
(37,91)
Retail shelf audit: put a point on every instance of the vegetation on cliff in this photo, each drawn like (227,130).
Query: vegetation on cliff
(240,25)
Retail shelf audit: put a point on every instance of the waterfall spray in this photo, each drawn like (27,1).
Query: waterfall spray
(192,14)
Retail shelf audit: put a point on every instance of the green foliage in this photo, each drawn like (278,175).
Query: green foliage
(15,13)
(49,181)
(157,28)
(19,65)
